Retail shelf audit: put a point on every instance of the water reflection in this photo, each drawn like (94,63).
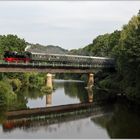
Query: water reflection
(76,90)
(48,99)
(90,94)
(73,90)
(65,92)
(124,122)
(38,120)
(116,119)
(119,120)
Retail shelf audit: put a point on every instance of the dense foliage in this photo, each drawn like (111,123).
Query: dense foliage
(101,46)
(11,43)
(124,46)
(128,57)
(12,83)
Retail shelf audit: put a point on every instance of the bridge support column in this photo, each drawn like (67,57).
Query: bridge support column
(49,81)
(90,80)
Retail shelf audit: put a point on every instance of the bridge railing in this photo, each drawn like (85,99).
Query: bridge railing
(3,63)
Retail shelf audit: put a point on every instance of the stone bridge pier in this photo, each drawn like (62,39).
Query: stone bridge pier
(90,80)
(48,81)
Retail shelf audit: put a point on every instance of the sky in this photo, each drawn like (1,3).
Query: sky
(68,24)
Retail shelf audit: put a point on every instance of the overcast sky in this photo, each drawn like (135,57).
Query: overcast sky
(68,24)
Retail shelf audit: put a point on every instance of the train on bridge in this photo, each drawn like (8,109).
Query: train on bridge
(32,57)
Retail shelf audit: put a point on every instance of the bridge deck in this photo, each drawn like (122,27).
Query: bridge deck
(52,68)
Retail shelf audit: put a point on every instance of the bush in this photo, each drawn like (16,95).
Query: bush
(16,84)
(7,96)
(46,89)
(109,83)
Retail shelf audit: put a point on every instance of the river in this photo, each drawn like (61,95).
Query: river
(122,120)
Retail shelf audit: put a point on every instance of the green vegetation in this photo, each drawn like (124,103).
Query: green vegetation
(11,43)
(47,90)
(101,46)
(7,96)
(124,46)
(11,84)
(127,54)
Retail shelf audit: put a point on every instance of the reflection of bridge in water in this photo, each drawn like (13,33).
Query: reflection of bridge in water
(49,99)
(44,116)
(50,115)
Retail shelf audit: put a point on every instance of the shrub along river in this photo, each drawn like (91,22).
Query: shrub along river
(114,118)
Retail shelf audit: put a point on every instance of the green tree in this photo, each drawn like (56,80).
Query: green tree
(128,56)
(11,43)
(102,45)
(7,96)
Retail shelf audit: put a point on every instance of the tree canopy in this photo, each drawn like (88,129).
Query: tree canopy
(102,45)
(11,43)
(128,56)
(124,46)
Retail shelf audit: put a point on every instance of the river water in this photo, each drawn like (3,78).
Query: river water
(121,121)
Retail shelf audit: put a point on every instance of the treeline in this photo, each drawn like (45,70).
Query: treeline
(124,46)
(103,45)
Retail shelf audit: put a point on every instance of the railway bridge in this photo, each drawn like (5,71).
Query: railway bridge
(51,67)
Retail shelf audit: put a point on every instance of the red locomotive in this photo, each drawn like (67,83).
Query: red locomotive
(17,56)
